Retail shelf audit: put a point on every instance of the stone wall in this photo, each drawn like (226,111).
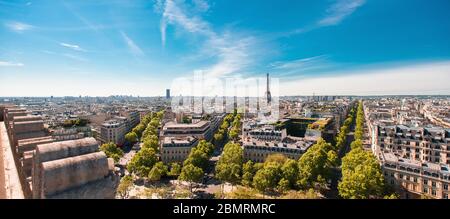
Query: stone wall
(72,169)
(72,172)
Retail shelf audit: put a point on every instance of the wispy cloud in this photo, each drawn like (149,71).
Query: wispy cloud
(340,10)
(134,49)
(75,57)
(85,21)
(10,64)
(72,46)
(18,26)
(173,14)
(231,49)
(201,5)
(303,66)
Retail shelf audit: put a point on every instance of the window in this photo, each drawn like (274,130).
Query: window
(433,192)
(433,184)
(445,187)
(425,182)
(425,190)
(415,179)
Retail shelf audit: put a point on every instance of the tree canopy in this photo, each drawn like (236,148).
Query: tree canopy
(111,150)
(229,166)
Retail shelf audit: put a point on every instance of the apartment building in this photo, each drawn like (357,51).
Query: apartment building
(177,149)
(258,150)
(412,178)
(415,143)
(268,133)
(132,117)
(413,152)
(199,130)
(114,131)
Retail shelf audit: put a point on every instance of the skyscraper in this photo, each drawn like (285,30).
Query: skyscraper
(167,93)
(268,96)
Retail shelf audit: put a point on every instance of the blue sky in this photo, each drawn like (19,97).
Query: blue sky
(138,47)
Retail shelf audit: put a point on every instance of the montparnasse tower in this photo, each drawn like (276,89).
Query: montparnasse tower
(268,95)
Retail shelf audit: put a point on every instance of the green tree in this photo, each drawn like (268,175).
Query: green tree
(361,176)
(261,181)
(151,141)
(315,165)
(218,137)
(124,186)
(197,158)
(131,137)
(142,162)
(111,150)
(175,169)
(191,174)
(277,157)
(248,171)
(391,196)
(158,170)
(234,134)
(290,172)
(283,185)
(139,129)
(229,166)
(268,177)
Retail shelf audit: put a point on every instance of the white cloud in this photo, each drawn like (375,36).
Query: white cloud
(428,78)
(201,5)
(78,58)
(73,46)
(18,26)
(232,50)
(132,45)
(10,64)
(340,10)
(173,14)
(301,66)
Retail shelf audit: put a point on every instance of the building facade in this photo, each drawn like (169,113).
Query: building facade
(177,149)
(114,131)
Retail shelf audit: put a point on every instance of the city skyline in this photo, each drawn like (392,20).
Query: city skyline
(343,47)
